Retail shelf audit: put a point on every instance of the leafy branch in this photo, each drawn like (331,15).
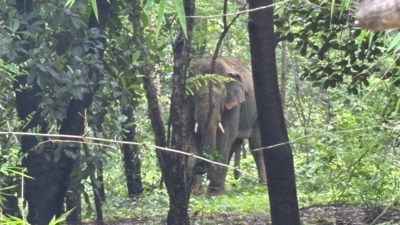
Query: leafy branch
(201,79)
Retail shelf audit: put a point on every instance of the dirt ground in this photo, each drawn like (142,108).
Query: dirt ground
(317,214)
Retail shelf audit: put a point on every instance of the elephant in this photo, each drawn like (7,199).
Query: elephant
(233,119)
(378,15)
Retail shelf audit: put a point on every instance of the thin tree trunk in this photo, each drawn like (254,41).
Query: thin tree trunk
(177,179)
(97,200)
(131,157)
(73,201)
(173,166)
(100,177)
(283,76)
(278,160)
(97,186)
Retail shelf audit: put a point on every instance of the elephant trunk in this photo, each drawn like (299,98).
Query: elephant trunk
(207,145)
(209,137)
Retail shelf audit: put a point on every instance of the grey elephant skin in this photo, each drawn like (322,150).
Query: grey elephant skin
(233,119)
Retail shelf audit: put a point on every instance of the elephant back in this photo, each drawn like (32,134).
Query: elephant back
(224,66)
(203,66)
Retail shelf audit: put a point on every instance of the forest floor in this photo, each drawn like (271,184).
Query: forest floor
(316,214)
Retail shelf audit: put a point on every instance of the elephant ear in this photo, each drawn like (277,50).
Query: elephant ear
(236,94)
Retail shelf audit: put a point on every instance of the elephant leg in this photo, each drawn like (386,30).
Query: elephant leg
(198,185)
(236,148)
(255,142)
(216,173)
(244,152)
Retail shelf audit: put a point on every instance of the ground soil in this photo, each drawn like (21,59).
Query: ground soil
(316,214)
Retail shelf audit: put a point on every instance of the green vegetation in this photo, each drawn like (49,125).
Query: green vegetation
(342,104)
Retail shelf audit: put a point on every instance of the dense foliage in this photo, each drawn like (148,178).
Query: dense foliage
(342,99)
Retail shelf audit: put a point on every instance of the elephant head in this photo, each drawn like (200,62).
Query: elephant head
(224,96)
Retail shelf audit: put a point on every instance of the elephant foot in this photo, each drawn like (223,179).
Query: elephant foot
(236,174)
(198,191)
(215,191)
(198,188)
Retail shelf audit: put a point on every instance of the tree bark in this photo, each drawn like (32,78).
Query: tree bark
(283,76)
(26,105)
(45,194)
(173,166)
(278,160)
(73,201)
(177,179)
(131,157)
(98,201)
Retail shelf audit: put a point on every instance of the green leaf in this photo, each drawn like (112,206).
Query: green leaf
(181,14)
(160,17)
(128,124)
(397,107)
(61,219)
(69,3)
(144,19)
(11,13)
(96,182)
(76,170)
(361,37)
(394,42)
(77,51)
(344,5)
(14,24)
(371,37)
(94,6)
(54,73)
(65,89)
(59,116)
(148,3)
(57,155)
(76,22)
(135,56)
(31,77)
(116,94)
(42,67)
(122,118)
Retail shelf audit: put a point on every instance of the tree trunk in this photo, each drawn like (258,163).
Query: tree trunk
(73,201)
(283,76)
(278,160)
(26,105)
(131,157)
(98,201)
(45,194)
(177,179)
(173,166)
